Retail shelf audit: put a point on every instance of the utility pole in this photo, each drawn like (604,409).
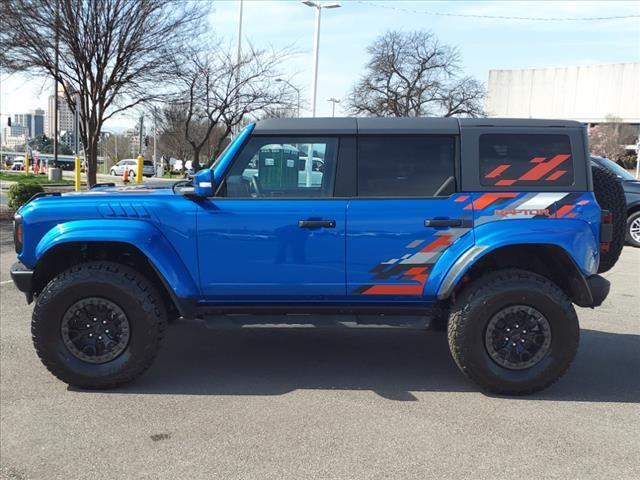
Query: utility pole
(155,129)
(141,130)
(333,100)
(316,47)
(76,126)
(55,88)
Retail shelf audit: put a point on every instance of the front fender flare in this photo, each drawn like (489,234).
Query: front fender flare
(140,234)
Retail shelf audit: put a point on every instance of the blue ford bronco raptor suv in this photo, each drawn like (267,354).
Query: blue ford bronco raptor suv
(490,228)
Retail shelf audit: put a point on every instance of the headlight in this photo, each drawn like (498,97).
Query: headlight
(17,233)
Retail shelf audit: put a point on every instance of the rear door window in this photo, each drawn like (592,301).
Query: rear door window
(508,159)
(406,166)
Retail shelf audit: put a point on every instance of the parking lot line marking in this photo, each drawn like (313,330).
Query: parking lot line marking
(6,281)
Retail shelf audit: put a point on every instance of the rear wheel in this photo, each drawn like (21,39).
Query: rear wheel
(513,332)
(132,173)
(610,196)
(98,325)
(633,229)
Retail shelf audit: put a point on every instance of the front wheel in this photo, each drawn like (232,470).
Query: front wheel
(132,173)
(633,229)
(513,332)
(98,325)
(113,173)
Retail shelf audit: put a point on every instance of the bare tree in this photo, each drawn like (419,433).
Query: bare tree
(116,147)
(218,92)
(111,52)
(411,75)
(609,139)
(171,139)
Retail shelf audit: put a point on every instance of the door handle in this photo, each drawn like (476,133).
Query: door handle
(443,222)
(317,223)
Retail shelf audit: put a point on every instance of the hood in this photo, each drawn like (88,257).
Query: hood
(97,196)
(124,190)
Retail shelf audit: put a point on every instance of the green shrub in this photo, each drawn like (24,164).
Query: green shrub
(20,193)
(629,162)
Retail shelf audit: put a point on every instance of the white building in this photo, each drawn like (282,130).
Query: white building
(14,136)
(587,94)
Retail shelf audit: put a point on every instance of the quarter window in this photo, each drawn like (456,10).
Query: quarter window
(525,160)
(406,166)
(270,167)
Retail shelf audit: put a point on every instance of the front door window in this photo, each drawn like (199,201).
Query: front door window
(272,167)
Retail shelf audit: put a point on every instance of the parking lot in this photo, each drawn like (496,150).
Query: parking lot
(274,403)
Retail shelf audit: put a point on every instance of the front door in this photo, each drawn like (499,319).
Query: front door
(405,218)
(274,233)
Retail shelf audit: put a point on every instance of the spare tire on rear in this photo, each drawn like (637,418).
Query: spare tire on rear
(610,196)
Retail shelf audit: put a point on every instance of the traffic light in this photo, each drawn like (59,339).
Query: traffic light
(146,141)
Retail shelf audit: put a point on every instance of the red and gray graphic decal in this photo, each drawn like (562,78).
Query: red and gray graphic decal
(413,266)
(495,206)
(538,171)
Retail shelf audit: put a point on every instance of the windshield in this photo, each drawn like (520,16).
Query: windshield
(615,168)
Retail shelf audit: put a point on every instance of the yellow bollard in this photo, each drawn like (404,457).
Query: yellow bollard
(26,162)
(77,174)
(139,169)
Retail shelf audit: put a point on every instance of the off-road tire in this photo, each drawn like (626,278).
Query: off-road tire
(610,196)
(634,217)
(138,299)
(481,300)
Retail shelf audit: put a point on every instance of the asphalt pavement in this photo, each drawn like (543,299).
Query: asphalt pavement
(276,403)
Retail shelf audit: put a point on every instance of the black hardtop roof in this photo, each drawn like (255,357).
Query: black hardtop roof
(394,126)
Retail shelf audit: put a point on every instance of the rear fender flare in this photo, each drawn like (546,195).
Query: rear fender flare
(575,238)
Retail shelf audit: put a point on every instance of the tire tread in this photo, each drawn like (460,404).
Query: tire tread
(126,278)
(490,285)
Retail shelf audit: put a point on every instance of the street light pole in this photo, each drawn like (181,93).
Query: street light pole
(316,48)
(333,100)
(314,72)
(282,80)
(240,34)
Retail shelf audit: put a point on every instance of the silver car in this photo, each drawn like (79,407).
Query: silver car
(131,165)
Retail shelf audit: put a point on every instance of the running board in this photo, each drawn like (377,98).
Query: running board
(315,321)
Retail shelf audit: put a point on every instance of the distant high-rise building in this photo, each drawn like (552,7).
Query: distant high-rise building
(65,116)
(32,121)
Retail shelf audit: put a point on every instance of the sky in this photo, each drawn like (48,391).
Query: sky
(484,43)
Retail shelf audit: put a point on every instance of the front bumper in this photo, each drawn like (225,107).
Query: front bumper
(599,288)
(22,277)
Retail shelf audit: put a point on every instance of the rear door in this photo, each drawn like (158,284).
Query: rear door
(406,217)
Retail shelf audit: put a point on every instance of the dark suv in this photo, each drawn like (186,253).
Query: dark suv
(631,187)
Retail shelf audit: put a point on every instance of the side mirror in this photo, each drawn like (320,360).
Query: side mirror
(203,183)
